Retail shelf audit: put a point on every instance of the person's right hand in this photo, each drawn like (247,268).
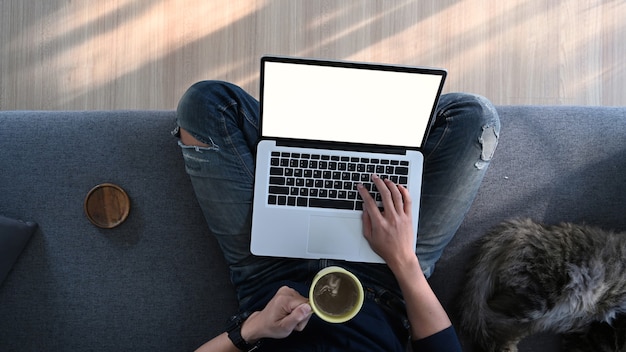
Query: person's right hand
(286,311)
(389,233)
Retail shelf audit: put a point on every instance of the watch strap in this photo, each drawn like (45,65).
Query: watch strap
(234,333)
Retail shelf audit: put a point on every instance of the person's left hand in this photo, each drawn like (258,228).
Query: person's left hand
(286,311)
(390,233)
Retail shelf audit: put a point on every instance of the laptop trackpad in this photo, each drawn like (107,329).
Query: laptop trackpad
(334,235)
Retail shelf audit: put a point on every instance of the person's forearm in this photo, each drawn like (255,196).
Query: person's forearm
(220,343)
(390,235)
(424,310)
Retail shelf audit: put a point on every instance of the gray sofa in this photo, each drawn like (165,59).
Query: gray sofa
(159,282)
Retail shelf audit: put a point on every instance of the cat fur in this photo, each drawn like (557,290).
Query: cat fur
(529,278)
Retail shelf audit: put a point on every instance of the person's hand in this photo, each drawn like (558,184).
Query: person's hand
(390,233)
(286,312)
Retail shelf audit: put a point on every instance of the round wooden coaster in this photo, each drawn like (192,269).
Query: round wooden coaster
(107,205)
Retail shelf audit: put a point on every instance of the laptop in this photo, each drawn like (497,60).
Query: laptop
(326,126)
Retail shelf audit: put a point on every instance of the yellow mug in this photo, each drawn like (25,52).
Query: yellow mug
(336,295)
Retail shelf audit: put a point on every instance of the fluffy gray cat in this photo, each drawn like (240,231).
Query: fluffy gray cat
(529,278)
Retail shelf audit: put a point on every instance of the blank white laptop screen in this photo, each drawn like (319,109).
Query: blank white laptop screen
(349,104)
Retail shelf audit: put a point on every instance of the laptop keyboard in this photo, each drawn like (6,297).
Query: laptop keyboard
(328,181)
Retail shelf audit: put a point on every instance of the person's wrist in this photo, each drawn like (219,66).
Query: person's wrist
(250,331)
(404,264)
(243,341)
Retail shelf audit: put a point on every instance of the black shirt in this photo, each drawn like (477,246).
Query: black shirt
(370,330)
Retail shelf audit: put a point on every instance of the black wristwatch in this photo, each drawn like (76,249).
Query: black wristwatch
(234,333)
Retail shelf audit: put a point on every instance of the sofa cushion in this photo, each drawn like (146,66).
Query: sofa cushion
(14,235)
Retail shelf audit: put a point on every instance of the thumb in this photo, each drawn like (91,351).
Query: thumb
(367,224)
(299,317)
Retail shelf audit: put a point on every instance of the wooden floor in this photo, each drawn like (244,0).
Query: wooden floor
(143,54)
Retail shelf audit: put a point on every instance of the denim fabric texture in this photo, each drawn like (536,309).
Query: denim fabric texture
(221,115)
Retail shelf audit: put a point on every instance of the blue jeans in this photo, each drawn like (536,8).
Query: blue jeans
(457,153)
